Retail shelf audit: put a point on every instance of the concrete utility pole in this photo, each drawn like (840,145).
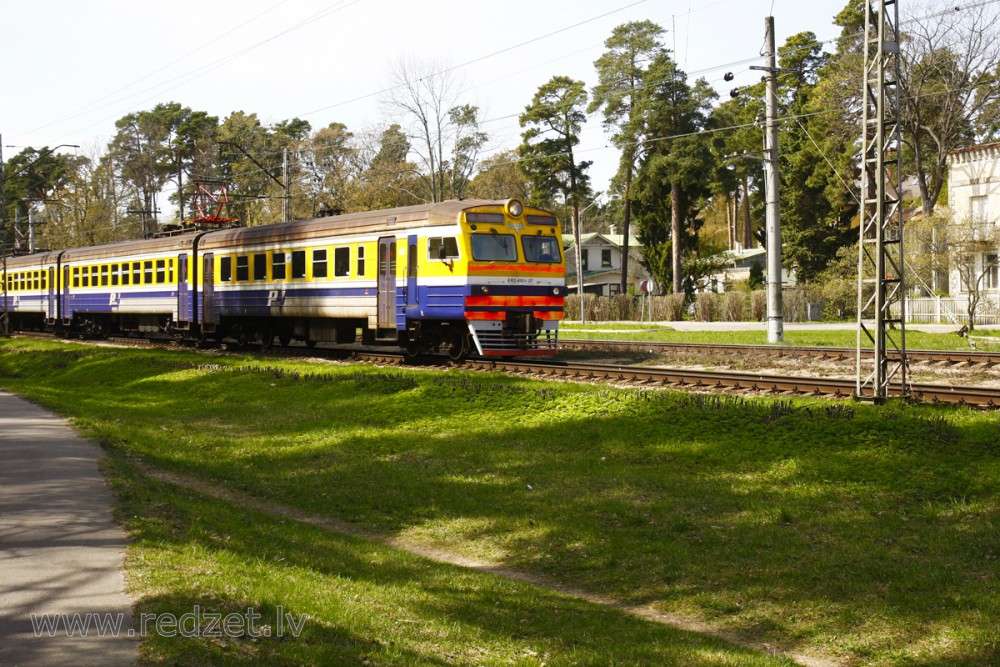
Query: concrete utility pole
(775,316)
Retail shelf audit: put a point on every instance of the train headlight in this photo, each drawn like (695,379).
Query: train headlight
(515,208)
(484,290)
(555,290)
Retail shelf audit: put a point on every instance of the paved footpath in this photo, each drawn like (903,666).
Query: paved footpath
(60,552)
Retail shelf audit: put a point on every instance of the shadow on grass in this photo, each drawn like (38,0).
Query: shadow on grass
(366,604)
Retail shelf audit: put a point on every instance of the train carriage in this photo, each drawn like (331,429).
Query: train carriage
(136,287)
(30,290)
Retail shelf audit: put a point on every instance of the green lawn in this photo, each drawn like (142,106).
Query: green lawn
(865,534)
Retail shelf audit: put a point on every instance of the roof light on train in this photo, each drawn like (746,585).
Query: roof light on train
(515,207)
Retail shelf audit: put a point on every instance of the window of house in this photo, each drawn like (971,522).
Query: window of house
(361,261)
(299,264)
(341,262)
(991,277)
(605,257)
(585,258)
(242,268)
(225,269)
(260,266)
(319,263)
(278,266)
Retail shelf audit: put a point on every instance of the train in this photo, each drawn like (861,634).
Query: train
(458,277)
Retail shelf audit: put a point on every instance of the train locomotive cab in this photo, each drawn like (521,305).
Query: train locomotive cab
(516,279)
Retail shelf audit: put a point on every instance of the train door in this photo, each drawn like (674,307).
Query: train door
(208,289)
(387,283)
(50,311)
(412,294)
(64,302)
(183,295)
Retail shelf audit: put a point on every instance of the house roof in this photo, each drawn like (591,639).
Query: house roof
(597,238)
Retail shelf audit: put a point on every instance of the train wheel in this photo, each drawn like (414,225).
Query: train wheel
(458,350)
(284,339)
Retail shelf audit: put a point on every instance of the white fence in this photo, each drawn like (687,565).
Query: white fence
(951,309)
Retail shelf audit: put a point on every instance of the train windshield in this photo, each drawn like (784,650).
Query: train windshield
(540,248)
(494,248)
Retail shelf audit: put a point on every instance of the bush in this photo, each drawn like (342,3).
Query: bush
(733,306)
(706,307)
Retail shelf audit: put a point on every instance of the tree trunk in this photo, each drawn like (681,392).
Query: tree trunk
(675,235)
(747,228)
(625,228)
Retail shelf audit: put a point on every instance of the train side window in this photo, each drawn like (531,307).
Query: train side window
(94,276)
(126,272)
(115,273)
(361,261)
(137,273)
(104,275)
(341,262)
(439,248)
(147,272)
(161,272)
(170,271)
(278,266)
(242,268)
(260,266)
(75,279)
(298,264)
(38,281)
(86,276)
(225,269)
(319,263)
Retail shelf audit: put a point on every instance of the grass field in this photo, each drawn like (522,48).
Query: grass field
(985,339)
(866,535)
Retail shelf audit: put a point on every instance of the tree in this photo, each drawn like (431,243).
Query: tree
(621,72)
(427,95)
(679,160)
(501,177)
(469,140)
(949,87)
(329,161)
(972,251)
(552,125)
(385,179)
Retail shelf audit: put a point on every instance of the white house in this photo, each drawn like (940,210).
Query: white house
(602,263)
(974,199)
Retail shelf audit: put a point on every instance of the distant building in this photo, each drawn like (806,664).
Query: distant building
(602,263)
(974,199)
(739,265)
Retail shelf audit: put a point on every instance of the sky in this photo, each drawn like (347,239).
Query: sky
(73,67)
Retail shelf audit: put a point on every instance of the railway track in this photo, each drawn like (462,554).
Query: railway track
(949,357)
(703,380)
(680,378)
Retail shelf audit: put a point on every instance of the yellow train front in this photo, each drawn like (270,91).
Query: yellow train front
(500,271)
(462,277)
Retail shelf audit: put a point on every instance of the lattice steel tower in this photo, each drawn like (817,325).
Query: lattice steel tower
(881,346)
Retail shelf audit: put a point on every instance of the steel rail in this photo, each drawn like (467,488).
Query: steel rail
(836,353)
